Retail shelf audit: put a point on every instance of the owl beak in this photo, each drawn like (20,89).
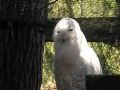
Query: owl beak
(63,40)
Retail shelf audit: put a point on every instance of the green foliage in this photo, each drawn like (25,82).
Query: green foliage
(48,61)
(109,56)
(47,71)
(83,8)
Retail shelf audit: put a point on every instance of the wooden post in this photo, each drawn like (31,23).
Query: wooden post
(21,44)
(103,82)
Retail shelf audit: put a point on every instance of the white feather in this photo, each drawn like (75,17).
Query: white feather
(73,57)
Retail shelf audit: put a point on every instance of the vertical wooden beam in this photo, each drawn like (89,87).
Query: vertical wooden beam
(21,44)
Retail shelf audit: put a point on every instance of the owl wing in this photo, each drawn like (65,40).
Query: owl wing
(91,60)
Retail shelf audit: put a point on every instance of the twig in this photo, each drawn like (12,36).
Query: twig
(52,2)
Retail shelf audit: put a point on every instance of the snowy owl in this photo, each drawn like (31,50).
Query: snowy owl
(73,57)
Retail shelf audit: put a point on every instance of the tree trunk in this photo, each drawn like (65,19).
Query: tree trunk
(21,43)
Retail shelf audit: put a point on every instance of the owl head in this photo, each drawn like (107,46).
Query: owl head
(66,29)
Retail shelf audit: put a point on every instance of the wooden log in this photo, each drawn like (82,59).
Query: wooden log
(99,29)
(103,82)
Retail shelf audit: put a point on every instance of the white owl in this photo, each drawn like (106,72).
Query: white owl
(73,57)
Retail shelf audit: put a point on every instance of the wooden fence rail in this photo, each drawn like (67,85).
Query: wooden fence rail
(99,29)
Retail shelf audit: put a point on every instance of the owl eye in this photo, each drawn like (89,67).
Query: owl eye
(58,31)
(70,29)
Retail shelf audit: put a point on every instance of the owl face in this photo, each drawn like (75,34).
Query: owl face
(65,30)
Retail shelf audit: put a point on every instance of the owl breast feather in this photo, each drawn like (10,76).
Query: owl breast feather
(67,53)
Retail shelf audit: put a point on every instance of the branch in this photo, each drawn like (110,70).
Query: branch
(48,4)
(52,2)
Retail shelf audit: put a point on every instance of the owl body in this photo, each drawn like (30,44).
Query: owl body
(73,57)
